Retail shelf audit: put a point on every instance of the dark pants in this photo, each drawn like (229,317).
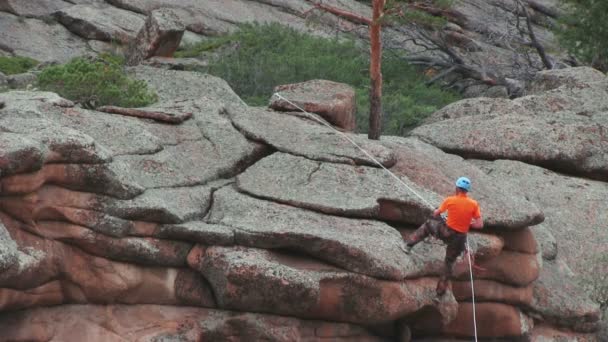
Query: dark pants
(454,240)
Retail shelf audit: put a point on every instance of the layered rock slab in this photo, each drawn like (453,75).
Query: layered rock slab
(35,39)
(259,280)
(105,23)
(334,101)
(294,135)
(575,209)
(363,246)
(167,323)
(561,301)
(336,189)
(85,278)
(571,118)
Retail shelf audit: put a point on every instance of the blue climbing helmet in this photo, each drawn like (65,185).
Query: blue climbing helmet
(464,183)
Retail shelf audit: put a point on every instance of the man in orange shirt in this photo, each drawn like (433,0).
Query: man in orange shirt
(463,213)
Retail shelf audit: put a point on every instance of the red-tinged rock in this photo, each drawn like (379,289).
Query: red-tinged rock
(522,241)
(335,102)
(492,291)
(512,268)
(160,36)
(248,279)
(88,279)
(99,178)
(494,320)
(545,332)
(138,250)
(141,323)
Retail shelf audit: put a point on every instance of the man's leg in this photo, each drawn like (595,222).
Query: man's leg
(455,247)
(420,234)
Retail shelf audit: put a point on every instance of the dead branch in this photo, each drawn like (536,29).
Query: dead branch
(359,19)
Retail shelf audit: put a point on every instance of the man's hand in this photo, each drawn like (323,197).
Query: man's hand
(436,213)
(477,223)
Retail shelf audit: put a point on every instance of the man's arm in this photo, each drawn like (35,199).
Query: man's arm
(477,223)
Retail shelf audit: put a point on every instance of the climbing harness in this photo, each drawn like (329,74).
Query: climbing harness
(468,250)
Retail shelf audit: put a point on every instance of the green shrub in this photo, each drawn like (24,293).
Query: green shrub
(261,57)
(584,31)
(16,65)
(96,83)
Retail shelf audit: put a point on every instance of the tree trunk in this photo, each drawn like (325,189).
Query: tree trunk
(375,95)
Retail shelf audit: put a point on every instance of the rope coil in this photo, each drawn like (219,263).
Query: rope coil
(399,180)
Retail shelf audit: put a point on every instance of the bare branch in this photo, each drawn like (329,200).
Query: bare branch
(344,14)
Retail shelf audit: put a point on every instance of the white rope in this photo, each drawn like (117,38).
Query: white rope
(472,289)
(398,180)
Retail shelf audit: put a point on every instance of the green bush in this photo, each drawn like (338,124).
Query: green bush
(96,83)
(260,57)
(584,31)
(16,65)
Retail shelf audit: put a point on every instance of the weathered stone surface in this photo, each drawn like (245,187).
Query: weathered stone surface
(85,278)
(337,189)
(570,77)
(335,102)
(145,251)
(546,240)
(571,119)
(434,170)
(36,9)
(8,250)
(172,85)
(259,280)
(511,268)
(575,209)
(291,134)
(559,300)
(493,291)
(546,333)
(163,323)
(105,23)
(493,320)
(522,241)
(21,81)
(35,39)
(160,36)
(362,246)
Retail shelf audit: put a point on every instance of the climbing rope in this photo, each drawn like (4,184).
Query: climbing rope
(399,180)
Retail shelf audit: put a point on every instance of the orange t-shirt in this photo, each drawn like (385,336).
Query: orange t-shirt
(461,210)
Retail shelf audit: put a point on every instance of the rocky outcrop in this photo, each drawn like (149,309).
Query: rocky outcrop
(36,39)
(335,102)
(571,118)
(200,204)
(482,34)
(160,36)
(158,323)
(105,23)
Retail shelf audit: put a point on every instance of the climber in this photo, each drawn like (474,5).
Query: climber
(462,213)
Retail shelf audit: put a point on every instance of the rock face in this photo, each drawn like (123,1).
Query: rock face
(471,31)
(174,213)
(160,36)
(572,119)
(106,23)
